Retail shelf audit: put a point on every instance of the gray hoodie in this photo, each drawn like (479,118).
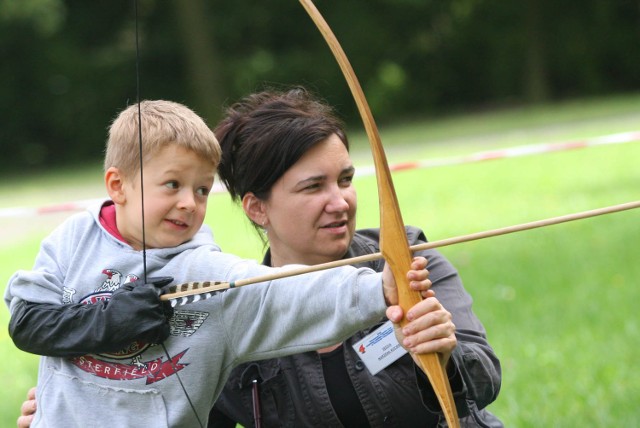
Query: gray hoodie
(137,386)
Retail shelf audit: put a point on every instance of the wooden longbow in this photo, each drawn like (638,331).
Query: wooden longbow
(393,239)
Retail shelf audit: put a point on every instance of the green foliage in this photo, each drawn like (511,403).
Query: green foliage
(68,66)
(46,16)
(19,370)
(559,304)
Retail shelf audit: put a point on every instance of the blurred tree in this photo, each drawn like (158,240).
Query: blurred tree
(59,80)
(536,84)
(203,67)
(69,65)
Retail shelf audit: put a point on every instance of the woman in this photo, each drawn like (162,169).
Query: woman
(285,158)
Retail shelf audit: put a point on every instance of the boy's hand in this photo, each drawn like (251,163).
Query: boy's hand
(28,409)
(418,278)
(142,299)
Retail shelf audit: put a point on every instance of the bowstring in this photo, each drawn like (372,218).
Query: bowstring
(144,245)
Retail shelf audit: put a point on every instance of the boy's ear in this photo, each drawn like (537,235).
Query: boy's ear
(254,209)
(114,181)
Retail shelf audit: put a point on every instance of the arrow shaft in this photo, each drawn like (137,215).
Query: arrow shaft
(189,289)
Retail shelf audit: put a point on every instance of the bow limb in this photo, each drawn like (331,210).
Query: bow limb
(393,239)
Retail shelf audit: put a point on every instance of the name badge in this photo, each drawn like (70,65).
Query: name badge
(380,348)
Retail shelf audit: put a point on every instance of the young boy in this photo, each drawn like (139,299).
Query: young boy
(85,305)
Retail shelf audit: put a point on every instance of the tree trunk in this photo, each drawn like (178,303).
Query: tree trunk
(536,85)
(203,71)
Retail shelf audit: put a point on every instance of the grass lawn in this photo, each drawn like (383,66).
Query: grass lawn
(559,304)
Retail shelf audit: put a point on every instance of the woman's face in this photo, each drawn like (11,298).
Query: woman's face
(310,214)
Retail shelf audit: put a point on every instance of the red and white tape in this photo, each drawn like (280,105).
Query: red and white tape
(625,137)
(534,149)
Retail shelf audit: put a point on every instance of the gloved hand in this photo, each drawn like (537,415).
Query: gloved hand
(134,312)
(130,292)
(151,314)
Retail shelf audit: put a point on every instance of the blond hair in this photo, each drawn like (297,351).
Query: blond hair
(163,122)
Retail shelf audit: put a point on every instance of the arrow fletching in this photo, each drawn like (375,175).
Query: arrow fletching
(190,292)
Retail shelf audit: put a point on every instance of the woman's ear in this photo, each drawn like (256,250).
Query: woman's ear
(114,182)
(254,209)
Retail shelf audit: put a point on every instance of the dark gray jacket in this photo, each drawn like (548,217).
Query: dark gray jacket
(292,391)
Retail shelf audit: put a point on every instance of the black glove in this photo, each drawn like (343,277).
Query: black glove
(134,312)
(130,292)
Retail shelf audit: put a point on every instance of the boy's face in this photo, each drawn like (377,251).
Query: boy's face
(177,183)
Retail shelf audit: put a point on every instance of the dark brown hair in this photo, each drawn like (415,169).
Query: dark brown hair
(265,133)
